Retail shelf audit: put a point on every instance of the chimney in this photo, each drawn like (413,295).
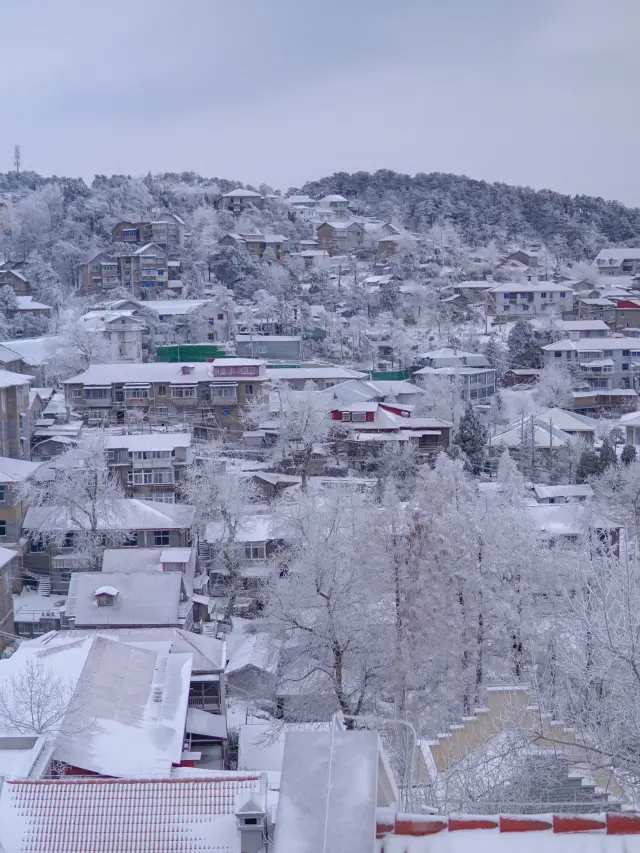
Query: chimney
(251,820)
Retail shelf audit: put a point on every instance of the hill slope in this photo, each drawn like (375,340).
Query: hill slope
(482,211)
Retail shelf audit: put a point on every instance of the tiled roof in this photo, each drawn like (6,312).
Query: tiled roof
(127,816)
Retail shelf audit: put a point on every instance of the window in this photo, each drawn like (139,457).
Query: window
(105,600)
(137,394)
(248,389)
(97,393)
(254,552)
(160,538)
(140,478)
(625,353)
(37,545)
(67,542)
(557,355)
(162,411)
(3,529)
(111,456)
(543,295)
(186,392)
(505,295)
(2,496)
(131,541)
(346,416)
(505,307)
(225,391)
(224,371)
(608,353)
(220,316)
(162,390)
(163,477)
(625,365)
(562,294)
(248,371)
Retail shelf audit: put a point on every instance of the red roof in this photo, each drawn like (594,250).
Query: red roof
(127,816)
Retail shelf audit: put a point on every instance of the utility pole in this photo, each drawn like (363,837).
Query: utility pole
(17,159)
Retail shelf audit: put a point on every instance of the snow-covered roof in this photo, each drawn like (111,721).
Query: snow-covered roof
(129,717)
(261,745)
(334,197)
(121,372)
(124,815)
(121,514)
(128,560)
(149,441)
(583,325)
(8,379)
(141,599)
(176,306)
(251,528)
(209,653)
(337,772)
(257,650)
(259,338)
(543,492)
(30,606)
(34,351)
(16,470)
(201,722)
(568,519)
(567,421)
(530,287)
(544,437)
(240,193)
(618,255)
(28,303)
(591,345)
(334,371)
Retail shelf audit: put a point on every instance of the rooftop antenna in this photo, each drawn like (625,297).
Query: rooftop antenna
(17,158)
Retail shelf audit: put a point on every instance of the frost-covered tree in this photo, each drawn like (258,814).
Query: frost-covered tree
(37,700)
(554,387)
(221,495)
(524,348)
(607,454)
(80,502)
(471,437)
(77,348)
(628,455)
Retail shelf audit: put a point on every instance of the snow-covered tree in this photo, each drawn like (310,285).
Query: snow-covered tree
(471,437)
(554,387)
(524,348)
(81,504)
(78,348)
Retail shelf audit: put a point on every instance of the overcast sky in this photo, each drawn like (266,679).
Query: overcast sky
(538,92)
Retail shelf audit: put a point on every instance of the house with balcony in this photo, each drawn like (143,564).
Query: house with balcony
(339,236)
(364,430)
(167,231)
(471,369)
(336,203)
(209,394)
(238,200)
(257,244)
(615,262)
(257,537)
(529,299)
(50,554)
(576,330)
(190,320)
(145,270)
(150,466)
(126,334)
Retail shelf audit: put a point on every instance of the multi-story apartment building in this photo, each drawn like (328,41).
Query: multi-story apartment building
(529,299)
(472,369)
(166,231)
(257,244)
(127,334)
(150,465)
(15,415)
(618,261)
(13,472)
(212,393)
(239,200)
(602,363)
(146,269)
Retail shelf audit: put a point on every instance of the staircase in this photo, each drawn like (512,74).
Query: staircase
(204,557)
(44,586)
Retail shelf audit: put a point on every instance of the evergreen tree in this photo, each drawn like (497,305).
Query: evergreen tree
(588,466)
(628,454)
(471,437)
(524,348)
(607,455)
